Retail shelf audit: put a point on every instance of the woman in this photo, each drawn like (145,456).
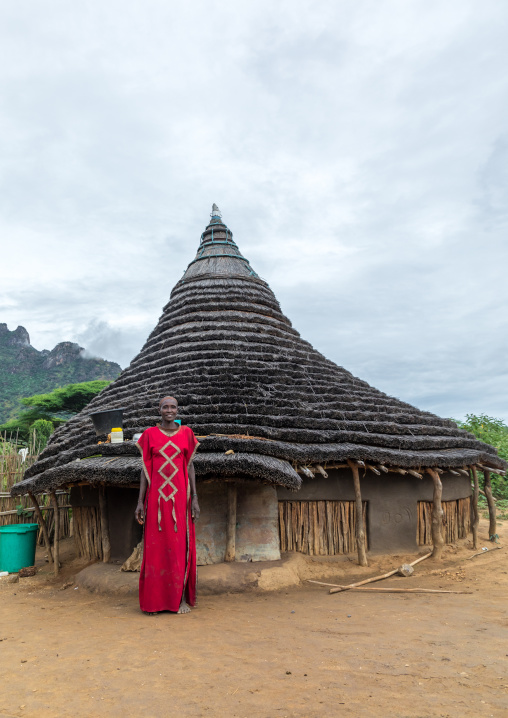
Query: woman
(168,509)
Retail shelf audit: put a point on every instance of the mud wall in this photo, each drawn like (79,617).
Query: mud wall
(257,532)
(392,515)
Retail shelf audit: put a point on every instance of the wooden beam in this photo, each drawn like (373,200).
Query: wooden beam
(501,472)
(43,526)
(487,487)
(56,538)
(437,515)
(231,523)
(360,530)
(103,508)
(305,470)
(476,515)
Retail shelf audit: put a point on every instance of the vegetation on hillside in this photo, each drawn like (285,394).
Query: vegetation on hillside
(47,411)
(25,371)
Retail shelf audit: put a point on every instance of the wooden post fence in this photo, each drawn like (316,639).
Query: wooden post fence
(360,530)
(231,523)
(437,515)
(476,515)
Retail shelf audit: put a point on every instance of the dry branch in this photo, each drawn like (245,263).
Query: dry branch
(377,578)
(482,553)
(404,590)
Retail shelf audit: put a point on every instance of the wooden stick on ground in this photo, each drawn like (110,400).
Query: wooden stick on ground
(476,515)
(42,524)
(437,515)
(360,531)
(404,590)
(385,590)
(103,508)
(56,538)
(492,506)
(482,553)
(338,588)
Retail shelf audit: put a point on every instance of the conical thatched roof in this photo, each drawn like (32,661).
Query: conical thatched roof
(247,381)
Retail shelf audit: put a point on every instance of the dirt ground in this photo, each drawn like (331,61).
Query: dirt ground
(298,652)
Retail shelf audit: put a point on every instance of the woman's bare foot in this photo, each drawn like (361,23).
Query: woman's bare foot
(184,608)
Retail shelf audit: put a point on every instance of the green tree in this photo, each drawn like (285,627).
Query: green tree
(54,408)
(67,400)
(494,432)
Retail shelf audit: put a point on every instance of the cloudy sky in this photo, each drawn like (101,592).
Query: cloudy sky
(357,149)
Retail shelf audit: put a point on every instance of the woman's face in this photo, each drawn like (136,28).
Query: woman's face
(169,409)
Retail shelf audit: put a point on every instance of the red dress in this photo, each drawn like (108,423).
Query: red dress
(169,541)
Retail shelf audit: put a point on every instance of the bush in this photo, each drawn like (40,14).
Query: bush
(42,430)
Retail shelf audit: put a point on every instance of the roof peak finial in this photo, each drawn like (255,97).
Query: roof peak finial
(215,211)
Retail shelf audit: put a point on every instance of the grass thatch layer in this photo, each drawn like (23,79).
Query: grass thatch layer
(124,470)
(237,366)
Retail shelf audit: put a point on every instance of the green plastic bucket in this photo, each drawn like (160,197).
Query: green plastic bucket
(17,546)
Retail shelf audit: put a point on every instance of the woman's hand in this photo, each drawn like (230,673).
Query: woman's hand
(195,510)
(139,514)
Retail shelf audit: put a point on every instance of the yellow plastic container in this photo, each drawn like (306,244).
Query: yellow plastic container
(116,436)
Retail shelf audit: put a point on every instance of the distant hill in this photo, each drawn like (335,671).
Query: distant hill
(25,371)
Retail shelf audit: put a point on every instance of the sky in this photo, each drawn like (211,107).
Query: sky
(358,151)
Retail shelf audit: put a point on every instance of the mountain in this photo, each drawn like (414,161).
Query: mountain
(25,371)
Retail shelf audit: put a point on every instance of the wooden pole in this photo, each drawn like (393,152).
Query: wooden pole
(360,530)
(337,588)
(106,543)
(42,524)
(484,553)
(476,515)
(56,539)
(487,487)
(437,515)
(402,590)
(231,523)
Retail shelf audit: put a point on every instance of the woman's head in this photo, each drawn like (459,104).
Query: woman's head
(168,408)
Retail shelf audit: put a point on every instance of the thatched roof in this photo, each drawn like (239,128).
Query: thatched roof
(245,380)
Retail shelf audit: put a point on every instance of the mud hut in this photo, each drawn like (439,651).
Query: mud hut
(296,453)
